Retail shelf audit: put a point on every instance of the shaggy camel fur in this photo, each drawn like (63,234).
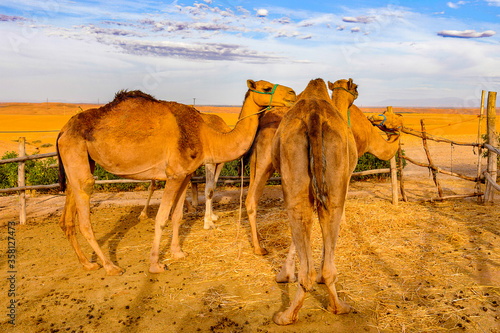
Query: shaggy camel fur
(315,152)
(138,137)
(367,137)
(212,172)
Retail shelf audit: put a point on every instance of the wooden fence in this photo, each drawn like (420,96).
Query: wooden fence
(490,174)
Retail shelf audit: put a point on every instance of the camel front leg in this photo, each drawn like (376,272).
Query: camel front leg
(170,194)
(212,172)
(175,247)
(287,272)
(144,213)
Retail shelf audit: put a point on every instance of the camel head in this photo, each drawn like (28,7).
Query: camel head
(344,85)
(266,94)
(389,122)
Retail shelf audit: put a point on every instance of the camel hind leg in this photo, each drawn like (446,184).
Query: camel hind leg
(79,169)
(67,224)
(330,221)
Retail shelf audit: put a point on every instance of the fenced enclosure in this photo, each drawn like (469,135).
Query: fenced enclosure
(489,175)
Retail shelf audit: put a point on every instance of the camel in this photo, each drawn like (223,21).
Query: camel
(138,137)
(367,137)
(315,152)
(212,172)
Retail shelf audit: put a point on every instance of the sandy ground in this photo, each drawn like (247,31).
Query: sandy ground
(415,267)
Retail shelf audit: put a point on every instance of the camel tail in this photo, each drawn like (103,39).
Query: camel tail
(317,160)
(62,172)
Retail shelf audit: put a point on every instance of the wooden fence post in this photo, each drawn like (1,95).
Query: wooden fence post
(479,151)
(400,167)
(394,181)
(431,165)
(489,193)
(21,181)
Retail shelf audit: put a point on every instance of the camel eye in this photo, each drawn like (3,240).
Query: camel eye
(268,89)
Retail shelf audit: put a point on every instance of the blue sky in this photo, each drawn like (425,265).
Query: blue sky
(413,53)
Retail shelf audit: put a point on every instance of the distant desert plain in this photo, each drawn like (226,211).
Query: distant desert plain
(40,123)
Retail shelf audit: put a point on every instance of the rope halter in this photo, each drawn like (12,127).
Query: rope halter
(267,93)
(382,127)
(264,109)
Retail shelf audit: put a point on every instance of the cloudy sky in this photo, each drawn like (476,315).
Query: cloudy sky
(401,52)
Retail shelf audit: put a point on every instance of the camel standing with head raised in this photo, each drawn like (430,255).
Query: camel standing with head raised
(315,152)
(212,172)
(367,137)
(138,137)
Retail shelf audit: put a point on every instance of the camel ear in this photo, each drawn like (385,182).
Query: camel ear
(330,85)
(349,84)
(251,84)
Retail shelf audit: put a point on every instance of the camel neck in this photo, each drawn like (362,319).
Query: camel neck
(342,102)
(381,148)
(225,147)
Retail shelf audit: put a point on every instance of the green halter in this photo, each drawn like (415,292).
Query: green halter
(267,93)
(265,109)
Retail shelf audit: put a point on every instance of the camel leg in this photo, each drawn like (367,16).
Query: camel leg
(82,189)
(212,172)
(144,213)
(175,248)
(300,215)
(330,224)
(320,278)
(67,224)
(299,202)
(168,200)
(258,179)
(287,272)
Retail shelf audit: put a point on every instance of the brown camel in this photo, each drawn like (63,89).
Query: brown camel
(315,152)
(212,172)
(138,137)
(367,137)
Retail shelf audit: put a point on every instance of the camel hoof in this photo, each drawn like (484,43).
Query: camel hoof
(342,308)
(214,217)
(260,251)
(178,255)
(157,268)
(91,266)
(282,319)
(285,278)
(113,270)
(208,225)
(143,216)
(320,279)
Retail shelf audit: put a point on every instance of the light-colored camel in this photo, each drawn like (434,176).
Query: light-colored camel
(138,137)
(367,137)
(315,152)
(212,172)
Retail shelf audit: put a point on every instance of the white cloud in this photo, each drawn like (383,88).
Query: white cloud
(456,5)
(262,12)
(466,33)
(359,19)
(493,3)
